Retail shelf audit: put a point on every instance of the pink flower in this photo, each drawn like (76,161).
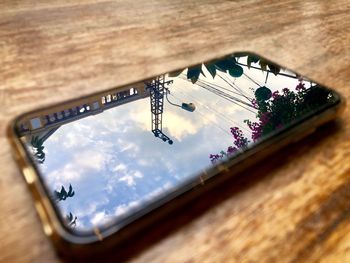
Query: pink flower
(300,87)
(286,91)
(275,94)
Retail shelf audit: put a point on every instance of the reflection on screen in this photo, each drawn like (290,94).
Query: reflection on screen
(106,156)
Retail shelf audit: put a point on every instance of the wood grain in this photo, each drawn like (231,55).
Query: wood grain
(294,208)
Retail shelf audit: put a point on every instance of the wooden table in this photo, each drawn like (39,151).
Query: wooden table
(295,207)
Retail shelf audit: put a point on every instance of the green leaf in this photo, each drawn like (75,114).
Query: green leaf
(263,64)
(236,71)
(57,195)
(63,191)
(175,73)
(70,191)
(225,64)
(274,68)
(40,155)
(193,73)
(70,217)
(194,80)
(252,59)
(36,142)
(263,93)
(211,68)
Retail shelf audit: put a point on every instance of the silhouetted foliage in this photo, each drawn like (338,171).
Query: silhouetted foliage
(72,220)
(227,65)
(63,194)
(264,64)
(38,148)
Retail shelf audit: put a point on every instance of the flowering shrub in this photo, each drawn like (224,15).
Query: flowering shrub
(240,142)
(274,113)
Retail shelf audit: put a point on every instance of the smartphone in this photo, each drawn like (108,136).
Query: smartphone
(105,167)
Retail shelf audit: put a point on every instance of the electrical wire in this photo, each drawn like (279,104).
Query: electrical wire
(217,86)
(166,96)
(209,120)
(225,96)
(237,88)
(228,97)
(280,73)
(248,77)
(224,117)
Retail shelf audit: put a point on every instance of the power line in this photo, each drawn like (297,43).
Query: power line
(217,86)
(280,73)
(248,77)
(225,96)
(228,97)
(213,110)
(237,88)
(215,124)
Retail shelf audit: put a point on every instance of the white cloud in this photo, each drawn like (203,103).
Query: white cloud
(179,127)
(90,160)
(78,135)
(120,168)
(104,217)
(125,145)
(142,118)
(100,218)
(82,163)
(144,162)
(121,172)
(91,207)
(129,178)
(67,174)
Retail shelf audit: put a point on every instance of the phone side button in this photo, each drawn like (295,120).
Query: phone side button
(29,175)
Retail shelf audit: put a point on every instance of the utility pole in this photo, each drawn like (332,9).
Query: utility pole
(158,89)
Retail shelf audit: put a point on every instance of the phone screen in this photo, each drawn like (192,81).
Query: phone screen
(108,156)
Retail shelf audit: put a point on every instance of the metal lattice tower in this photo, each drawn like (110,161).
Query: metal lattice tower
(157,88)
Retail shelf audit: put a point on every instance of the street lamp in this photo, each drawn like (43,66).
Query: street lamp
(185,106)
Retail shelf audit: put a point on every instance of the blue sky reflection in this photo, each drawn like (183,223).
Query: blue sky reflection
(114,162)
